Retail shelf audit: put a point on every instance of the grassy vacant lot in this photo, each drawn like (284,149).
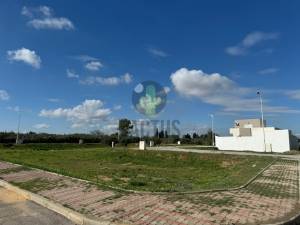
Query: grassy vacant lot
(142,170)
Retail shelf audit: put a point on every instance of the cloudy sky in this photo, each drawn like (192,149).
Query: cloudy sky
(71,66)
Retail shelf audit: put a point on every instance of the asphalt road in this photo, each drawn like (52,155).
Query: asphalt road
(15,210)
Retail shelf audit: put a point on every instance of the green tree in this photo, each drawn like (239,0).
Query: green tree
(187,136)
(166,134)
(161,134)
(195,135)
(156,135)
(125,126)
(97,133)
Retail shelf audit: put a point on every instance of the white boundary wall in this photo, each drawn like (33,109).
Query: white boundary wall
(276,141)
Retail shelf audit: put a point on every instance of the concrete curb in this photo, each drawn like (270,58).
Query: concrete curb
(70,214)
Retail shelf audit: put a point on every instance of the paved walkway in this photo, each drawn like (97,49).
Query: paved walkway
(273,196)
(15,210)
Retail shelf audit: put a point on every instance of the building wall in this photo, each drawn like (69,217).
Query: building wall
(247,123)
(276,141)
(238,132)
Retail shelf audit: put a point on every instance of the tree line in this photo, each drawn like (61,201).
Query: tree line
(123,136)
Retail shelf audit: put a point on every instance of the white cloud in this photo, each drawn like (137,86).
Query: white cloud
(167,89)
(45,10)
(126,78)
(117,107)
(41,126)
(72,74)
(268,71)
(4,95)
(88,113)
(14,108)
(93,65)
(110,81)
(111,127)
(199,84)
(52,23)
(250,41)
(157,52)
(85,58)
(36,11)
(26,12)
(257,37)
(25,55)
(294,94)
(194,128)
(219,90)
(236,50)
(18,109)
(42,18)
(54,100)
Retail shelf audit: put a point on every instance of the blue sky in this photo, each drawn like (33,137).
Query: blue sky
(69,66)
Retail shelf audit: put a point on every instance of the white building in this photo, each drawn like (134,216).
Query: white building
(251,135)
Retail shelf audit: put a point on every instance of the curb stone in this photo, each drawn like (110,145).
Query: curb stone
(70,214)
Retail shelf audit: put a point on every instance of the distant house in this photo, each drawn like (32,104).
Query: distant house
(253,135)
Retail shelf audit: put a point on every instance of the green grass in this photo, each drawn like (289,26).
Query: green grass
(201,199)
(144,170)
(49,146)
(14,170)
(37,184)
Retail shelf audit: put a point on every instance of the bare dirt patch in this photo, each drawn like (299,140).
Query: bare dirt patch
(10,196)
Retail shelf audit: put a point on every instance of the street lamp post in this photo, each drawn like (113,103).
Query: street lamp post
(262,118)
(18,131)
(212,130)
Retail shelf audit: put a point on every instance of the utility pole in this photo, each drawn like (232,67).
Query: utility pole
(18,131)
(212,130)
(262,118)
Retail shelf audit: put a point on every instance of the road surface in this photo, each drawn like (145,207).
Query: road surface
(15,210)
(182,149)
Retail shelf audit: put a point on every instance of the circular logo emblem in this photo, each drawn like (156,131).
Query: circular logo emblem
(149,98)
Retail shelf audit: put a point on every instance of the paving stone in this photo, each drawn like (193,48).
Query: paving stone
(271,196)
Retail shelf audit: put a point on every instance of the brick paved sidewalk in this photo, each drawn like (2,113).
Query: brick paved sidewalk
(272,197)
